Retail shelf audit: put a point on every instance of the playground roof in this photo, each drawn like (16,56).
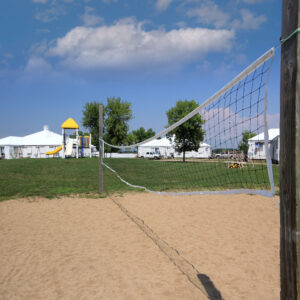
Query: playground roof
(70,124)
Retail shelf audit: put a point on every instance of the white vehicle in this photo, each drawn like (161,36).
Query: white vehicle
(151,155)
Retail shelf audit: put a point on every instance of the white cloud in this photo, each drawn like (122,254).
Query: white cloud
(161,5)
(252,1)
(89,18)
(37,64)
(38,49)
(209,13)
(224,127)
(249,20)
(50,14)
(40,1)
(44,30)
(5,58)
(127,45)
(108,1)
(273,120)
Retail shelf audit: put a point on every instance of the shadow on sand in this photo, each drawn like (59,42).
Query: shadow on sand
(210,288)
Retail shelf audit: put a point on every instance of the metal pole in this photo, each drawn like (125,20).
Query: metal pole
(290,153)
(90,144)
(100,148)
(77,141)
(63,143)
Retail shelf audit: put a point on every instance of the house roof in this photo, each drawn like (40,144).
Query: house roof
(273,133)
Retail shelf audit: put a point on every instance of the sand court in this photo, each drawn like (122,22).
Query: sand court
(77,248)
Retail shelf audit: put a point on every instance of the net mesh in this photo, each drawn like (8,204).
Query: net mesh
(233,156)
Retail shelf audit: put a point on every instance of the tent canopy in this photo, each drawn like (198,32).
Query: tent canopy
(41,138)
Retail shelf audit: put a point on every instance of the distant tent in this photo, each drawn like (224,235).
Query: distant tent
(33,145)
(256,144)
(166,148)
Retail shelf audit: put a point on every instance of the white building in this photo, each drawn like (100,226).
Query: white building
(33,145)
(256,144)
(204,151)
(163,147)
(275,149)
(166,148)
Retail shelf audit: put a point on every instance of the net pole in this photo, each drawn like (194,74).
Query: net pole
(290,153)
(101,148)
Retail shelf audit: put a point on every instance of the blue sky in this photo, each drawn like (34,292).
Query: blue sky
(56,55)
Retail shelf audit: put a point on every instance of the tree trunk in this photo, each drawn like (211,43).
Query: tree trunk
(183,156)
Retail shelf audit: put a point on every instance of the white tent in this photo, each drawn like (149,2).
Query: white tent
(275,149)
(34,145)
(163,147)
(256,144)
(204,151)
(166,148)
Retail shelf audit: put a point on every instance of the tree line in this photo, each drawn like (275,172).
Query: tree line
(118,113)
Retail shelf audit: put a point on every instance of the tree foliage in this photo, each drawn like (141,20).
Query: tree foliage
(141,134)
(90,120)
(188,135)
(117,115)
(243,144)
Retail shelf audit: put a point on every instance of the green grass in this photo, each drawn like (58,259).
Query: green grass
(192,175)
(55,177)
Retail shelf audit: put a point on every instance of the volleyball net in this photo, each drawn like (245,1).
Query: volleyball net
(222,146)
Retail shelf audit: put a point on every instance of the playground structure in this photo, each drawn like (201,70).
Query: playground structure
(72,146)
(67,147)
(46,143)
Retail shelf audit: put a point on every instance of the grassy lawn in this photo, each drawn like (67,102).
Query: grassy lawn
(192,175)
(54,177)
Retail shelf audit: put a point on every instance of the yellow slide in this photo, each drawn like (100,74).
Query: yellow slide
(54,151)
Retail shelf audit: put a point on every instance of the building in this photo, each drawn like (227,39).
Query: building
(256,145)
(275,149)
(32,146)
(204,151)
(165,148)
(41,144)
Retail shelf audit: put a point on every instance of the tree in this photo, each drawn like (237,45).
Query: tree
(243,144)
(80,133)
(118,114)
(141,134)
(188,135)
(91,120)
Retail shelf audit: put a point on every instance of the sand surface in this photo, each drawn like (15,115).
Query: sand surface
(76,248)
